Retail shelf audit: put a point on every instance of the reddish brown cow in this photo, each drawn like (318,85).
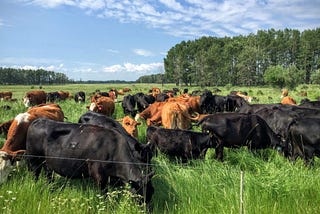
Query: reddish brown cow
(131,126)
(103,105)
(175,115)
(152,114)
(16,138)
(63,95)
(288,100)
(34,98)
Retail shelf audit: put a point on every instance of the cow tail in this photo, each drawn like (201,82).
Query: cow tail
(289,140)
(174,120)
(250,133)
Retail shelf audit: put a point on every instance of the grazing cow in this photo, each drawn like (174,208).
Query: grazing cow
(304,139)
(128,104)
(131,126)
(103,105)
(84,150)
(53,96)
(34,98)
(143,100)
(80,97)
(152,114)
(17,133)
(175,115)
(142,151)
(126,90)
(235,130)
(64,95)
(182,144)
(6,95)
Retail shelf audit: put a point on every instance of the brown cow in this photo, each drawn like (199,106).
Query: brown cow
(34,98)
(131,126)
(103,105)
(288,100)
(63,95)
(16,138)
(152,114)
(6,95)
(175,115)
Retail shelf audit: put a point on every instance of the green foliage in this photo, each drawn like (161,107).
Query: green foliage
(243,60)
(283,77)
(315,77)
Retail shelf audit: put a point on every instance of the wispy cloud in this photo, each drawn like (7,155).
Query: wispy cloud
(142,52)
(193,18)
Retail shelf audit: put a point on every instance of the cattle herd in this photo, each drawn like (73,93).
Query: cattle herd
(109,151)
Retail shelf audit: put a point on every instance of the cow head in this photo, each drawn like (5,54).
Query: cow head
(8,163)
(144,188)
(131,126)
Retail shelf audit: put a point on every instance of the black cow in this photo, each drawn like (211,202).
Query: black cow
(80,97)
(210,103)
(253,108)
(162,97)
(53,97)
(182,144)
(310,104)
(235,130)
(234,102)
(280,116)
(84,150)
(128,105)
(141,151)
(304,139)
(143,100)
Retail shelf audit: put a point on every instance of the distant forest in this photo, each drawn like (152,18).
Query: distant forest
(255,59)
(241,60)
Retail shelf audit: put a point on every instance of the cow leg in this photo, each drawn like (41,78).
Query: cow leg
(219,151)
(35,165)
(96,171)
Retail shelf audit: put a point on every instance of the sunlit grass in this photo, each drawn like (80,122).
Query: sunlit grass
(272,184)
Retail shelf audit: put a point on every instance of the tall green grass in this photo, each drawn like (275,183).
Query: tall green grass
(272,184)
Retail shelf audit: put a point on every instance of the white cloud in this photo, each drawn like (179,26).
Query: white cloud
(135,68)
(194,18)
(142,52)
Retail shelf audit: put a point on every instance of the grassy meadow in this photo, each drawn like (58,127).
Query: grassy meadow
(271,184)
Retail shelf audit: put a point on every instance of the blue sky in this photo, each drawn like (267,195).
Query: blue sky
(123,40)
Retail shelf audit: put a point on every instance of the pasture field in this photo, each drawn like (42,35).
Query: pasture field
(272,184)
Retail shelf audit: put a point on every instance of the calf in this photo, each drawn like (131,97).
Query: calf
(34,98)
(131,126)
(83,150)
(235,130)
(182,144)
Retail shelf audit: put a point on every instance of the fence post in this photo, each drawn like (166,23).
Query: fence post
(241,191)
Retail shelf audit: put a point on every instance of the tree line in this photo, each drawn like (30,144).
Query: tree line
(277,57)
(10,76)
